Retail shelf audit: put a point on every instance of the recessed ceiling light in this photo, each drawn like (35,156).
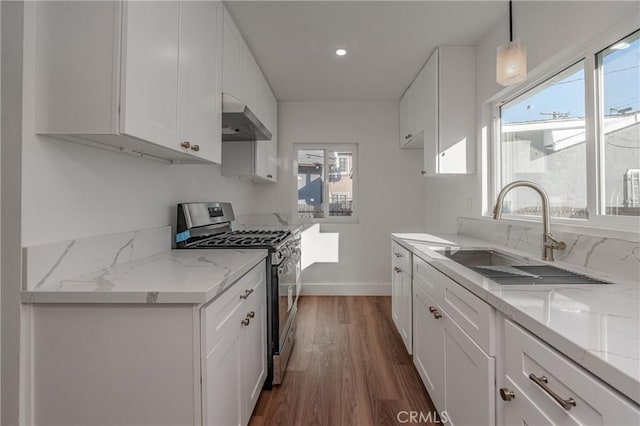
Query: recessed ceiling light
(620,45)
(341,52)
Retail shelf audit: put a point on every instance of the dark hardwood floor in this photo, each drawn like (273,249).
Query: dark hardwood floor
(348,367)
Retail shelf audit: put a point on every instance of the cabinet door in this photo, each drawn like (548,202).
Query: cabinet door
(254,351)
(417,106)
(149,102)
(200,113)
(396,298)
(406,318)
(222,396)
(232,58)
(431,114)
(249,79)
(428,346)
(456,109)
(469,379)
(403,111)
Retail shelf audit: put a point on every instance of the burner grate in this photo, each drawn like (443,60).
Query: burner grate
(247,238)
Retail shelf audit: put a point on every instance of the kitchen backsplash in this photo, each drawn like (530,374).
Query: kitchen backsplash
(616,256)
(50,263)
(262,219)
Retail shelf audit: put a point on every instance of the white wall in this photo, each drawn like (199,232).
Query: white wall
(391,194)
(547,28)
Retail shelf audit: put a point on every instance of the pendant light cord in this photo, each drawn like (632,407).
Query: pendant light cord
(510,24)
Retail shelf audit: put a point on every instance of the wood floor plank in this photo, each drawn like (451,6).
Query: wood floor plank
(348,367)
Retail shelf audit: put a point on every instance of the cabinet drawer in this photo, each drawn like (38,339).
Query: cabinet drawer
(400,258)
(223,309)
(472,314)
(595,403)
(428,278)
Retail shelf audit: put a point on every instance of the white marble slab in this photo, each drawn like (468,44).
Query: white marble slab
(277,221)
(175,276)
(50,263)
(617,256)
(597,326)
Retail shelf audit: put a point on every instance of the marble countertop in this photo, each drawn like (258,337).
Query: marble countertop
(175,276)
(597,326)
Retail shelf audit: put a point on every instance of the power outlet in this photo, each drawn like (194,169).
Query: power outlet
(468,202)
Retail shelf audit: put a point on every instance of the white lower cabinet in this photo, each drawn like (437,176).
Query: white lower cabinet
(428,344)
(160,364)
(457,373)
(402,294)
(469,375)
(484,369)
(541,386)
(234,352)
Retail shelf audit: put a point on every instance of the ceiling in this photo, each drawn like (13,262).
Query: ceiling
(387,42)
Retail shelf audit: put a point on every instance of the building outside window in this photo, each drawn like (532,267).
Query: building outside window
(327,182)
(588,162)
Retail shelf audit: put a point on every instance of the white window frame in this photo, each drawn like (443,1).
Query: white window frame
(348,147)
(594,139)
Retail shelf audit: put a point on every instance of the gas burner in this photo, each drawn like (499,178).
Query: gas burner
(246,238)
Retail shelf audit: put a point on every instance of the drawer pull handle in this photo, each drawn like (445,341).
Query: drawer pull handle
(506,394)
(395,268)
(435,312)
(251,314)
(245,322)
(246,294)
(397,254)
(542,382)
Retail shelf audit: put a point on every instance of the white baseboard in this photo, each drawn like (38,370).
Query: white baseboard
(346,289)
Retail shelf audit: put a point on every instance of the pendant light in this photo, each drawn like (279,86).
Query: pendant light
(511,59)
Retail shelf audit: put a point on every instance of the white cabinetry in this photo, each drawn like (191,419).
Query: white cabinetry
(541,386)
(149,364)
(457,372)
(235,352)
(412,113)
(100,79)
(242,78)
(449,126)
(402,299)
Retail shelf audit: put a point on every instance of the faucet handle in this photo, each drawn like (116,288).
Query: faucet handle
(551,242)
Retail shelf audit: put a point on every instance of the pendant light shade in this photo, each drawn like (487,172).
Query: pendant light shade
(511,63)
(511,59)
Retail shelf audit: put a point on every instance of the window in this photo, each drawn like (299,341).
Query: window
(619,123)
(542,139)
(327,182)
(576,134)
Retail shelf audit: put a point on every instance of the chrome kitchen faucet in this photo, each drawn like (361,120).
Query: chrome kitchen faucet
(549,244)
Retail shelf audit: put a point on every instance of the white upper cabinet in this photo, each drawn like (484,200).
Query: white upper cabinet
(243,79)
(449,129)
(140,77)
(412,113)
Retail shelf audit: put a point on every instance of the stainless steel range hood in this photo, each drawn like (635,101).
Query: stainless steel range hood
(239,123)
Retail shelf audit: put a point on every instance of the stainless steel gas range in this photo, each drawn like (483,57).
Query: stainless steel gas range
(208,226)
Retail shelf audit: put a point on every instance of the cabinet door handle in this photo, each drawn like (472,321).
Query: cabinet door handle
(185,145)
(436,313)
(423,172)
(246,294)
(408,136)
(506,394)
(251,314)
(195,148)
(542,382)
(245,322)
(270,176)
(397,254)
(395,268)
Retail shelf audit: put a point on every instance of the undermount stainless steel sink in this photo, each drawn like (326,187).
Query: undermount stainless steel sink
(507,269)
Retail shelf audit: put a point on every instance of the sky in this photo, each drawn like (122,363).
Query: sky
(621,70)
